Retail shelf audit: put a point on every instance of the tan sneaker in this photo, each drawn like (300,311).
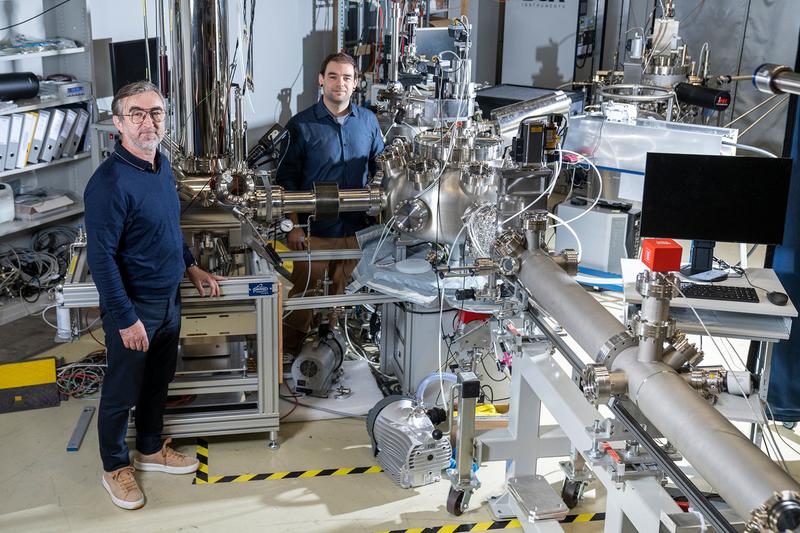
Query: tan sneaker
(166,460)
(123,489)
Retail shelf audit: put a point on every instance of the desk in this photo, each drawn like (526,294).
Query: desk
(763,322)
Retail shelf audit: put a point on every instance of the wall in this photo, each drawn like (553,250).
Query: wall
(742,34)
(291,39)
(13,11)
(539,43)
(485,19)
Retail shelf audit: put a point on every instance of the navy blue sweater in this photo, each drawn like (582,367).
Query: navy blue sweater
(134,244)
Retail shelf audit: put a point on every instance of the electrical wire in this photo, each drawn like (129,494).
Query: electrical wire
(729,365)
(755,150)
(561,222)
(35,16)
(488,374)
(82,378)
(547,191)
(772,417)
(765,425)
(294,397)
(25,273)
(308,275)
(54,326)
(320,408)
(387,228)
(599,187)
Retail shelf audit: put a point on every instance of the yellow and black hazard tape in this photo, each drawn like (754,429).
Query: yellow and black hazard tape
(584,517)
(292,475)
(202,477)
(499,524)
(201,474)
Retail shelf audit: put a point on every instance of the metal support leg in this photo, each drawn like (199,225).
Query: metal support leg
(616,521)
(462,478)
(273,443)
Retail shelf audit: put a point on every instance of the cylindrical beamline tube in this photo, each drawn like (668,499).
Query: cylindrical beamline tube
(298,201)
(743,475)
(776,79)
(396,22)
(740,472)
(355,200)
(582,316)
(507,119)
(350,200)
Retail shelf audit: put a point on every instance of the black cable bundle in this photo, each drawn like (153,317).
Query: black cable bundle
(83,378)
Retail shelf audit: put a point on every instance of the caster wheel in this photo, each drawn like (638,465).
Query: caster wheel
(571,492)
(790,425)
(454,499)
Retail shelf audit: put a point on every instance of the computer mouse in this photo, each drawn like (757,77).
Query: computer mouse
(777,298)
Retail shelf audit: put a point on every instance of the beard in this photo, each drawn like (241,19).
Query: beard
(338,97)
(147,143)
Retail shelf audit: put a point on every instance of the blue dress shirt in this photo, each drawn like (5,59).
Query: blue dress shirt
(322,150)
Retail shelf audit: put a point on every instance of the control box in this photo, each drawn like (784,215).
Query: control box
(607,233)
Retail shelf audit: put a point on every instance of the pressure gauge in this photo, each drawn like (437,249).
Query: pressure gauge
(286,225)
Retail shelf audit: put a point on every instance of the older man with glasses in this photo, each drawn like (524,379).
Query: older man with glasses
(137,259)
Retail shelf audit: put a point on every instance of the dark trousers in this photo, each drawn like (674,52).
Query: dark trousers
(138,379)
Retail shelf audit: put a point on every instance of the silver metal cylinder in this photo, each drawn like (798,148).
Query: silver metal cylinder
(201,76)
(396,22)
(582,316)
(655,310)
(239,130)
(776,79)
(64,323)
(740,472)
(299,201)
(507,119)
(743,475)
(650,350)
(349,200)
(637,47)
(357,200)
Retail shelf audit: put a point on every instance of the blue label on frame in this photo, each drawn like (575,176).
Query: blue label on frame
(259,289)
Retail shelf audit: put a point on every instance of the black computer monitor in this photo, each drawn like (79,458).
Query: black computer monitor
(129,63)
(709,198)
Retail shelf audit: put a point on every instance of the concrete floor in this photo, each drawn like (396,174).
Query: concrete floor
(44,488)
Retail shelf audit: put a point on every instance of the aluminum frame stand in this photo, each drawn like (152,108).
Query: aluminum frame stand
(538,380)
(242,295)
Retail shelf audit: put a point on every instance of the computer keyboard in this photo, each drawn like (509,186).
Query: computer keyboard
(719,292)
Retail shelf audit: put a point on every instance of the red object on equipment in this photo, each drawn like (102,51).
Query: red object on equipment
(465,317)
(661,255)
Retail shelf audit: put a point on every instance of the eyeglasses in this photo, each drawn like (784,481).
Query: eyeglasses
(138,115)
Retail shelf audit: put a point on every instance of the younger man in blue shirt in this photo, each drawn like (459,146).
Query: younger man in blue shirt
(331,141)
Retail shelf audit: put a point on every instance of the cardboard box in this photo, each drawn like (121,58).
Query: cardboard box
(31,208)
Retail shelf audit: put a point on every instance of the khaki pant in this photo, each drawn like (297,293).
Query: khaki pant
(298,323)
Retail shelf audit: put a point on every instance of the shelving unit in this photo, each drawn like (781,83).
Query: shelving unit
(38,166)
(17,226)
(70,173)
(46,53)
(34,104)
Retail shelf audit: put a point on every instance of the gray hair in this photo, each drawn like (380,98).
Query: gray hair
(132,89)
